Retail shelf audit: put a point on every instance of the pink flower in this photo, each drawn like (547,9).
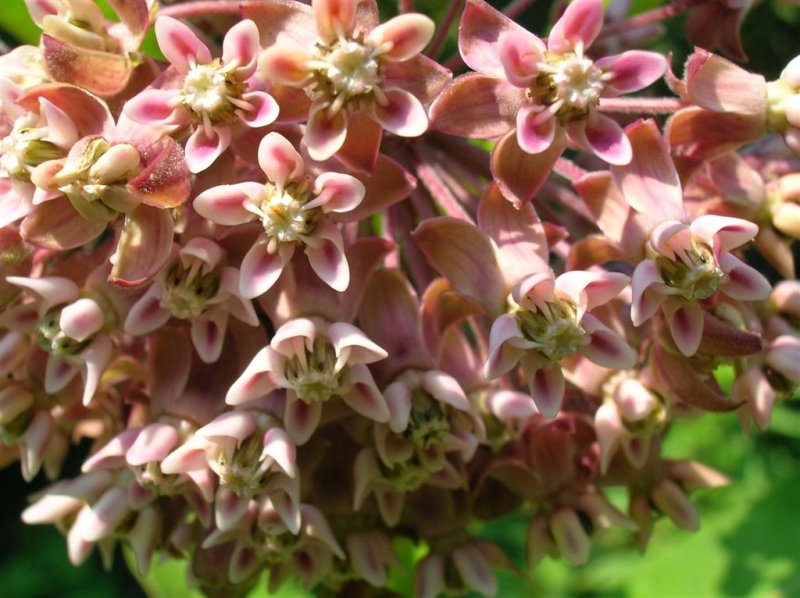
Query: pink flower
(355,67)
(195,285)
(216,93)
(294,209)
(548,92)
(314,360)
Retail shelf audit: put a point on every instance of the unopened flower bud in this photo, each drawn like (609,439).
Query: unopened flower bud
(786,218)
(120,163)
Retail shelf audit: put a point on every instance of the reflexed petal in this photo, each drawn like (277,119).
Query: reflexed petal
(257,380)
(337,192)
(590,289)
(520,56)
(52,290)
(604,137)
(606,348)
(365,559)
(96,355)
(474,570)
(507,345)
(352,346)
(445,388)
(241,44)
(364,397)
(225,204)
(536,128)
(398,399)
(510,404)
(261,269)
(546,386)
(744,282)
(203,149)
(58,374)
(685,321)
(406,35)
(325,253)
(180,45)
(570,537)
(403,114)
(147,314)
(152,107)
(102,518)
(279,160)
(229,508)
(631,71)
(334,18)
(301,419)
(284,63)
(152,444)
(325,134)
(609,429)
(580,24)
(264,109)
(723,233)
(278,447)
(208,334)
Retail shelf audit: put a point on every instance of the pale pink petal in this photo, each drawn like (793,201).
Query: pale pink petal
(316,526)
(208,334)
(510,404)
(536,128)
(241,45)
(647,287)
(398,399)
(261,269)
(240,308)
(152,107)
(685,321)
(60,128)
(229,508)
(288,510)
(580,24)
(604,137)
(279,160)
(402,113)
(606,348)
(723,233)
(96,355)
(113,453)
(188,457)
(294,338)
(152,444)
(243,563)
(229,426)
(34,443)
(180,45)
(278,447)
(631,71)
(719,85)
(103,517)
(81,319)
(507,344)
(753,387)
(53,290)
(474,570)
(335,18)
(257,380)
(225,204)
(352,346)
(202,149)
(405,36)
(301,419)
(546,386)
(390,504)
(147,314)
(609,430)
(285,63)
(784,356)
(744,282)
(520,56)
(671,499)
(590,289)
(364,397)
(58,374)
(325,133)
(38,9)
(264,109)
(337,192)
(325,253)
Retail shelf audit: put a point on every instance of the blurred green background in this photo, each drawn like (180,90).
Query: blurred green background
(749,542)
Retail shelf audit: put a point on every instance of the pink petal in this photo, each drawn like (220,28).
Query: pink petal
(580,24)
(606,348)
(520,56)
(507,345)
(570,536)
(279,160)
(717,84)
(208,334)
(225,204)
(203,149)
(284,63)
(325,133)
(744,282)
(229,508)
(631,71)
(445,388)
(536,128)
(81,319)
(546,386)
(230,428)
(58,373)
(519,174)
(406,35)
(592,288)
(723,233)
(294,338)
(398,399)
(96,355)
(103,517)
(325,253)
(261,269)
(52,290)
(650,181)
(334,18)
(364,397)
(152,107)
(352,346)
(147,314)
(360,152)
(604,137)
(337,192)
(609,430)
(402,113)
(180,45)
(646,300)
(241,44)
(264,109)
(301,419)
(257,379)
(152,444)
(278,447)
(685,321)
(111,455)
(60,128)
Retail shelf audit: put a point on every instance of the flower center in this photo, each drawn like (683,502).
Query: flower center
(190,288)
(24,148)
(428,423)
(248,471)
(284,215)
(556,330)
(697,275)
(571,84)
(212,91)
(345,72)
(313,375)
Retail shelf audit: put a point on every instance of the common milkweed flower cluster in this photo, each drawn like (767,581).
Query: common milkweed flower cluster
(298,313)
